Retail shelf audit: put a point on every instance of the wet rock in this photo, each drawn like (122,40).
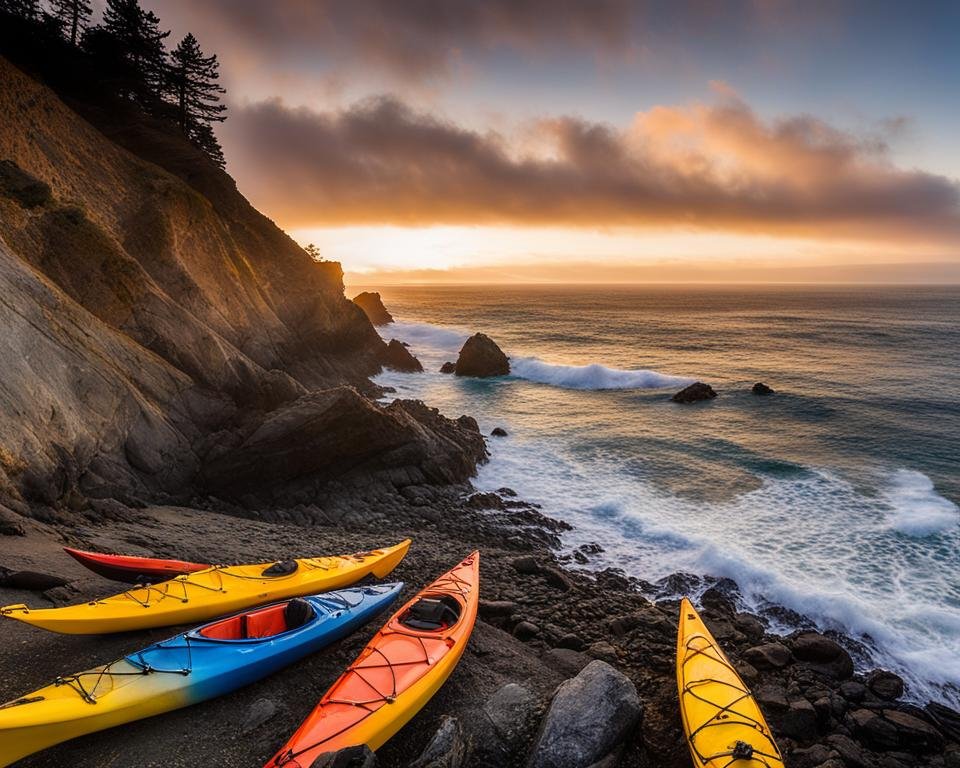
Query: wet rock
(762,389)
(772,697)
(799,721)
(398,357)
(914,734)
(526,565)
(498,432)
(812,757)
(448,367)
(447,749)
(853,691)
(481,357)
(948,720)
(850,752)
(11,524)
(589,717)
(748,673)
(526,630)
(694,393)
(349,757)
(372,306)
(885,685)
(750,626)
(494,609)
(873,730)
(32,580)
(768,656)
(822,654)
(259,713)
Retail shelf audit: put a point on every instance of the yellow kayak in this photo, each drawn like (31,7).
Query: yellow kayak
(722,722)
(209,593)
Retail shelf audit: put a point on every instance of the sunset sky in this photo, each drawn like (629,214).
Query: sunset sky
(603,141)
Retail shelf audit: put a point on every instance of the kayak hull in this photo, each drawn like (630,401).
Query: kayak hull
(133,570)
(212,592)
(184,670)
(393,678)
(722,722)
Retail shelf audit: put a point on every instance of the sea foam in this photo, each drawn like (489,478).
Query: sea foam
(918,510)
(592,377)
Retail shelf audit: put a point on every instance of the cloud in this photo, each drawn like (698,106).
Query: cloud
(411,38)
(713,165)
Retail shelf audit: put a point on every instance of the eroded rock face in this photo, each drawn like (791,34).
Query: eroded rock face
(481,357)
(589,717)
(372,306)
(694,393)
(337,432)
(398,357)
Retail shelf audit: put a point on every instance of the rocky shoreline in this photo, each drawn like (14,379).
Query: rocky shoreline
(541,623)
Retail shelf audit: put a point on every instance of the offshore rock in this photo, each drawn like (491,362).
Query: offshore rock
(694,393)
(760,389)
(481,357)
(372,306)
(448,367)
(589,717)
(398,357)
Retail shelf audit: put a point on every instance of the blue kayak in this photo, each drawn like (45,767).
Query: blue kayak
(201,664)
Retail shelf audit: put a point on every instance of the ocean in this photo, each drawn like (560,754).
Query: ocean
(836,497)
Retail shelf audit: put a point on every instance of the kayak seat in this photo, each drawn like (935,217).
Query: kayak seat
(234,628)
(267,622)
(431,614)
(297,613)
(282,568)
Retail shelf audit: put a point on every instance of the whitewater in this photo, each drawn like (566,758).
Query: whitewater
(835,509)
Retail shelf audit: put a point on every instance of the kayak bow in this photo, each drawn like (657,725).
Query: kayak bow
(201,664)
(721,720)
(130,569)
(212,592)
(398,672)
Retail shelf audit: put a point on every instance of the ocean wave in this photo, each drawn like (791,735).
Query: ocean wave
(918,510)
(433,337)
(591,377)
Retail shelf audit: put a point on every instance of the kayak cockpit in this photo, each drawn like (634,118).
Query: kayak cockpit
(432,613)
(262,623)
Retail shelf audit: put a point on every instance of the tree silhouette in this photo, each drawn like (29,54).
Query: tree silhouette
(138,42)
(194,89)
(25,9)
(313,252)
(73,15)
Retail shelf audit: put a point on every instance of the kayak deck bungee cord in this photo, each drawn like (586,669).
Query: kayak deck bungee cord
(201,664)
(722,722)
(212,592)
(398,672)
(133,570)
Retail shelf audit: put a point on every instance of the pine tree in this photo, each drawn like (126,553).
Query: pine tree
(24,9)
(313,252)
(73,15)
(140,43)
(194,90)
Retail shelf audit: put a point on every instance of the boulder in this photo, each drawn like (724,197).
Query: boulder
(372,306)
(398,357)
(823,655)
(447,749)
(481,357)
(694,393)
(259,713)
(885,685)
(526,630)
(496,609)
(11,524)
(509,718)
(498,432)
(768,656)
(761,390)
(348,757)
(914,734)
(799,721)
(590,717)
(448,367)
(32,580)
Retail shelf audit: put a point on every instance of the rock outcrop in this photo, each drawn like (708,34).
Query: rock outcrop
(372,306)
(336,434)
(398,357)
(694,393)
(760,389)
(481,357)
(448,367)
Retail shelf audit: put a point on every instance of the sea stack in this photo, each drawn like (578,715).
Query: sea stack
(694,393)
(398,357)
(762,389)
(372,306)
(481,357)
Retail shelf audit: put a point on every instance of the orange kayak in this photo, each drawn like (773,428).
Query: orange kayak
(398,672)
(133,570)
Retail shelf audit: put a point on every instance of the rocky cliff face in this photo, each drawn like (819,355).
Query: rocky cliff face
(145,309)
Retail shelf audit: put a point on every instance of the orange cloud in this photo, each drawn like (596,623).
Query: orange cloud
(713,166)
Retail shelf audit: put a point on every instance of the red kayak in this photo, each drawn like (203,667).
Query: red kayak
(133,570)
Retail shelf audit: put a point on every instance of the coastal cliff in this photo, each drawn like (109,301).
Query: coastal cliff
(152,316)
